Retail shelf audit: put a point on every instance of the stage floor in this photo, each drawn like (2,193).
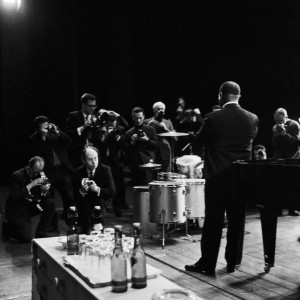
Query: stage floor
(249,282)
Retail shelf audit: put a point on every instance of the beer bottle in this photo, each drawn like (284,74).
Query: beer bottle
(138,260)
(72,234)
(118,264)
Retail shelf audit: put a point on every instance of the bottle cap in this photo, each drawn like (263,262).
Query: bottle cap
(118,227)
(72,208)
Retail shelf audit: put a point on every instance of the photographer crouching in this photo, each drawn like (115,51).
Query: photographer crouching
(28,196)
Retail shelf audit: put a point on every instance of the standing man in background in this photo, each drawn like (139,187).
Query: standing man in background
(140,146)
(80,126)
(285,140)
(227,135)
(161,125)
(49,142)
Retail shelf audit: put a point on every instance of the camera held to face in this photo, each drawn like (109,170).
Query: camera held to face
(141,133)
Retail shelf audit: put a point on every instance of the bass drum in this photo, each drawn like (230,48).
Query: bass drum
(141,208)
(167,202)
(190,165)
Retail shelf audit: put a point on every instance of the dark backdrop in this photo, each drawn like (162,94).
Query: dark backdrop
(132,53)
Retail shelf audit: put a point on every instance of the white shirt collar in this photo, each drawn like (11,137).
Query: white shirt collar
(230,102)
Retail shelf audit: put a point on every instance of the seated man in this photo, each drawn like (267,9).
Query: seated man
(93,184)
(28,196)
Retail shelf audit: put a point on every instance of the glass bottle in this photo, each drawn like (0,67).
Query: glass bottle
(97,218)
(118,264)
(138,260)
(72,234)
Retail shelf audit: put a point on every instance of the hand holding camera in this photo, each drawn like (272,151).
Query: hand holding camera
(52,128)
(280,128)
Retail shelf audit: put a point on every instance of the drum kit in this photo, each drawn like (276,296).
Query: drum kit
(174,198)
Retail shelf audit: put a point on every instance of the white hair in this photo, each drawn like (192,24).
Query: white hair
(159,103)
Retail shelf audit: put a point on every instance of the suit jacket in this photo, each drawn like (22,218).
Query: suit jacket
(75,120)
(286,144)
(111,146)
(43,148)
(102,177)
(140,152)
(227,135)
(163,145)
(17,205)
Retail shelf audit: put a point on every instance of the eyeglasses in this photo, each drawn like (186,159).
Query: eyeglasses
(91,105)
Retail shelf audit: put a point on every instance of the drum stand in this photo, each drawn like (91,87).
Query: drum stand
(188,211)
(163,214)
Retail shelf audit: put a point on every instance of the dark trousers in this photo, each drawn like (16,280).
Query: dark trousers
(61,180)
(219,198)
(85,207)
(118,177)
(19,224)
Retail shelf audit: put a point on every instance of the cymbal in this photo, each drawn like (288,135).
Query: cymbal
(173,133)
(150,165)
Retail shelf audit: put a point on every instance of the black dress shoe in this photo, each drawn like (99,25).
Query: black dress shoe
(197,267)
(293,213)
(230,268)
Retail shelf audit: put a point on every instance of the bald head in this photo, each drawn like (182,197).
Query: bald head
(229,91)
(90,158)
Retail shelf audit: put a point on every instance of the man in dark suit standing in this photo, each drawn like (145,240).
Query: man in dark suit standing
(162,125)
(111,143)
(93,184)
(140,146)
(80,126)
(49,142)
(227,135)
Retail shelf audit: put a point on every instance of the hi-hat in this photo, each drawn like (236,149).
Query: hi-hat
(173,133)
(150,165)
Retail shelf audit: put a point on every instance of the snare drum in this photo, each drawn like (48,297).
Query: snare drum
(190,165)
(167,202)
(194,198)
(169,176)
(141,208)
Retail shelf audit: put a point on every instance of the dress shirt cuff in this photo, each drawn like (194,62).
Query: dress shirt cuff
(79,130)
(99,190)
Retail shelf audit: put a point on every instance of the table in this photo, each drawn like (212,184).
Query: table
(55,281)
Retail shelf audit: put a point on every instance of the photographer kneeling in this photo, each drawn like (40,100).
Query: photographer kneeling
(28,196)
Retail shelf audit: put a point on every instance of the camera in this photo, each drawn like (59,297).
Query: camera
(140,133)
(160,115)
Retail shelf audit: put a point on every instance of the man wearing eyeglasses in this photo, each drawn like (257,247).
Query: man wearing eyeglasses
(80,126)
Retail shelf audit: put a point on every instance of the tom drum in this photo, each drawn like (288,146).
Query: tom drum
(167,202)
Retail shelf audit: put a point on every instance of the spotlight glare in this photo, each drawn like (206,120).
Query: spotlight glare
(12,4)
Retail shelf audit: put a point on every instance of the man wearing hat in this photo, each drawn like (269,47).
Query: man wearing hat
(161,125)
(227,135)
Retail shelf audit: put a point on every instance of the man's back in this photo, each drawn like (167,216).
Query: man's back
(227,135)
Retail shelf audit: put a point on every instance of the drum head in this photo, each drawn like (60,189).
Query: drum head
(141,188)
(166,183)
(188,160)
